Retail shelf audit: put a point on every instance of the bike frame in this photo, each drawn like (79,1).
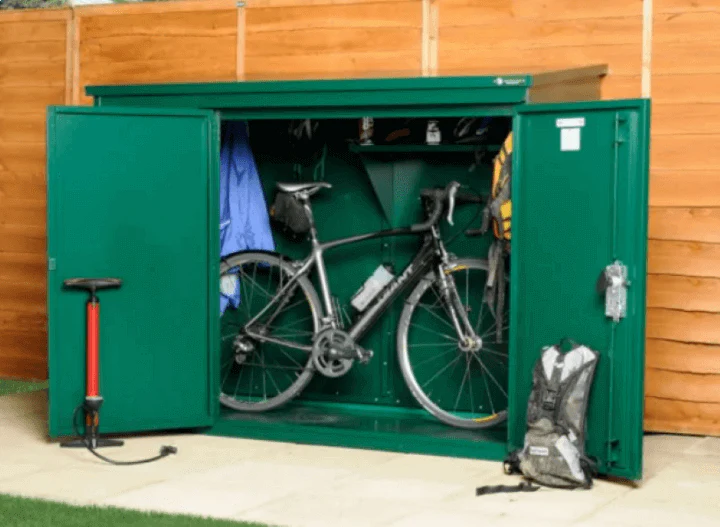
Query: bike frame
(432,251)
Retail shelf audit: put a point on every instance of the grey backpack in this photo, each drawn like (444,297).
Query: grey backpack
(554,451)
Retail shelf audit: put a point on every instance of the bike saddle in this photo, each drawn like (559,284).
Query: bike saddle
(92,284)
(311,187)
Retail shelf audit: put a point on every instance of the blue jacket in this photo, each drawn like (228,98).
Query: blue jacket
(244,220)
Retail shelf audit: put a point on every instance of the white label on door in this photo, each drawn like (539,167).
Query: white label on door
(576,122)
(569,139)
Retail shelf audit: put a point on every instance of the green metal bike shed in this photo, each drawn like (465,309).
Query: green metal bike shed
(133,192)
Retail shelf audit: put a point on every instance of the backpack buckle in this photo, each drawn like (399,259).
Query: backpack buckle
(549,400)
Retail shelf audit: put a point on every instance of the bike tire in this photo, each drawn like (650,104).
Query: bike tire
(265,261)
(409,313)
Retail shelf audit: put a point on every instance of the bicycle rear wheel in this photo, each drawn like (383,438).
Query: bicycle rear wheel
(258,375)
(465,388)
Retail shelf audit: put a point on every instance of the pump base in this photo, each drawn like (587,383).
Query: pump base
(99,443)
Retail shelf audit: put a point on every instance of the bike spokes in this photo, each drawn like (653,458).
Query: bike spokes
(460,381)
(255,373)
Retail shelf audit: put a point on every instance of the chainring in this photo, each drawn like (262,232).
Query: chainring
(325,343)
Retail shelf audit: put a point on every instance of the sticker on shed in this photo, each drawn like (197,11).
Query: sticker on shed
(570,133)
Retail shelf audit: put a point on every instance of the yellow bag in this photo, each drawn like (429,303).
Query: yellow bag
(500,206)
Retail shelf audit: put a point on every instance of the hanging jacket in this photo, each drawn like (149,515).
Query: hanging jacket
(244,221)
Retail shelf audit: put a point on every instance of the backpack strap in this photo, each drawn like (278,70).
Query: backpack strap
(499,191)
(495,285)
(589,468)
(498,489)
(511,464)
(500,293)
(551,396)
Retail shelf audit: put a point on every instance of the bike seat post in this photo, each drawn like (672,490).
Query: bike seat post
(304,198)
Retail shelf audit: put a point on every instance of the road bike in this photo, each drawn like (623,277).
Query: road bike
(450,350)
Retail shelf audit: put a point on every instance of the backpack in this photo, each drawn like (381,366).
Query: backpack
(499,207)
(499,212)
(554,450)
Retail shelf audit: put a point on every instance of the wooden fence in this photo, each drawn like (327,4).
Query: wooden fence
(33,74)
(683,346)
(48,57)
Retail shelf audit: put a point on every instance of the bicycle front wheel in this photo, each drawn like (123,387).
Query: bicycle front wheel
(462,386)
(257,374)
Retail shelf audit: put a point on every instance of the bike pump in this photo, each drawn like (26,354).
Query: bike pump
(93,400)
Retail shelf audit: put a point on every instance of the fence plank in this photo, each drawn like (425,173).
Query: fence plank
(148,8)
(681,356)
(685,223)
(533,34)
(287,44)
(685,188)
(624,59)
(684,258)
(338,65)
(682,417)
(669,324)
(29,32)
(694,387)
(690,88)
(686,293)
(686,152)
(399,14)
(686,118)
(172,24)
(468,12)
(22,128)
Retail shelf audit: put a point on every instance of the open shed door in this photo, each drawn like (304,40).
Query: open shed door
(133,194)
(580,178)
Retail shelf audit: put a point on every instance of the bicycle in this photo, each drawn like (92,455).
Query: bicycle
(285,332)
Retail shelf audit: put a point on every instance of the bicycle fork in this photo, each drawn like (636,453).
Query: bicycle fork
(456,309)
(453,303)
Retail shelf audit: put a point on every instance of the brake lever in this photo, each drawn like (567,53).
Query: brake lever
(454,186)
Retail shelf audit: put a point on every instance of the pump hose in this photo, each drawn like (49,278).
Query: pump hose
(165,450)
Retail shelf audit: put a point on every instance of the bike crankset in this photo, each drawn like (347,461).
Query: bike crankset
(334,352)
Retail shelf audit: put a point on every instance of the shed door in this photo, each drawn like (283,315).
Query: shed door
(580,204)
(132,194)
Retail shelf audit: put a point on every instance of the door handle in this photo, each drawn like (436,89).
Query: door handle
(614,283)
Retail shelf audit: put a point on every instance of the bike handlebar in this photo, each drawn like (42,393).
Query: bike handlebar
(464,198)
(439,196)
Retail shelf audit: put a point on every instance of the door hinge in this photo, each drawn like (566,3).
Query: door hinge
(614,283)
(620,120)
(51,264)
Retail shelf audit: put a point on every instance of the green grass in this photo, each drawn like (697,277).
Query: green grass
(9,386)
(23,512)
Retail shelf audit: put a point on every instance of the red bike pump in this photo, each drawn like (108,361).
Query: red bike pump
(93,400)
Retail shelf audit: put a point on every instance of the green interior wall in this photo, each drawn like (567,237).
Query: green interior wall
(354,206)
